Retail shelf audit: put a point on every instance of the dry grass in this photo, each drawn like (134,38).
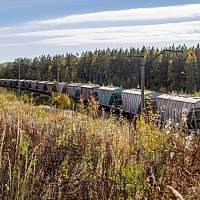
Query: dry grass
(46,153)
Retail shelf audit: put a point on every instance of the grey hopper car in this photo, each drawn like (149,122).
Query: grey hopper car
(34,85)
(42,86)
(131,100)
(2,82)
(26,84)
(8,82)
(51,87)
(61,87)
(176,108)
(86,91)
(73,90)
(110,96)
(14,83)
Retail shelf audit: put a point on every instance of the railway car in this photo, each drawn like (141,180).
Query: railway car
(42,86)
(88,90)
(21,83)
(74,89)
(14,83)
(51,87)
(8,82)
(110,96)
(26,84)
(61,87)
(2,82)
(175,108)
(131,100)
(34,85)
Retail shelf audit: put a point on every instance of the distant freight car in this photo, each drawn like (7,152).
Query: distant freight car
(168,107)
(86,91)
(14,83)
(27,84)
(34,85)
(42,86)
(110,96)
(73,89)
(131,100)
(174,108)
(21,83)
(8,82)
(51,87)
(2,82)
(61,87)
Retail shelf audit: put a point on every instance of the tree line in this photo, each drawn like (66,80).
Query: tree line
(119,67)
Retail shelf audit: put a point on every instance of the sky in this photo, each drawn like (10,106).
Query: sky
(35,27)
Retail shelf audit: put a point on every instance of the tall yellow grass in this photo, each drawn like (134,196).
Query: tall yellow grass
(48,153)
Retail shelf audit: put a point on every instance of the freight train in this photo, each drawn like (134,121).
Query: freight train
(170,108)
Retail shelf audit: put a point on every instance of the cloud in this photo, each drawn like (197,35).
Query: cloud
(130,34)
(178,13)
(141,16)
(145,34)
(137,14)
(175,24)
(168,28)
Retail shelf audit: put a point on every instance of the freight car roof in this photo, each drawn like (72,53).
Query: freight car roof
(42,82)
(136,91)
(111,88)
(90,86)
(62,83)
(74,84)
(27,81)
(192,100)
(50,83)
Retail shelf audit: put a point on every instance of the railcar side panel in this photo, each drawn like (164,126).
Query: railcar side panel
(86,91)
(105,94)
(73,90)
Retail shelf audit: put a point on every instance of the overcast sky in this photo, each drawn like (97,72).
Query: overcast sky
(34,27)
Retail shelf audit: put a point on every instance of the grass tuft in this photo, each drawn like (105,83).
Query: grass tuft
(49,153)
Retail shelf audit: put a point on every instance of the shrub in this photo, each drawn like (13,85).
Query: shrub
(61,100)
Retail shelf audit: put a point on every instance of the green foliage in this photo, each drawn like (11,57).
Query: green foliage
(118,67)
(61,100)
(25,144)
(26,98)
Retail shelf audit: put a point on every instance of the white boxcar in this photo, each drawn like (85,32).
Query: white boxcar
(131,99)
(73,89)
(88,90)
(173,108)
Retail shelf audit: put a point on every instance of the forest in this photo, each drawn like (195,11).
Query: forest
(120,67)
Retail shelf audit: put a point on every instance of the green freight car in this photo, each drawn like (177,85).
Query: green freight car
(110,96)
